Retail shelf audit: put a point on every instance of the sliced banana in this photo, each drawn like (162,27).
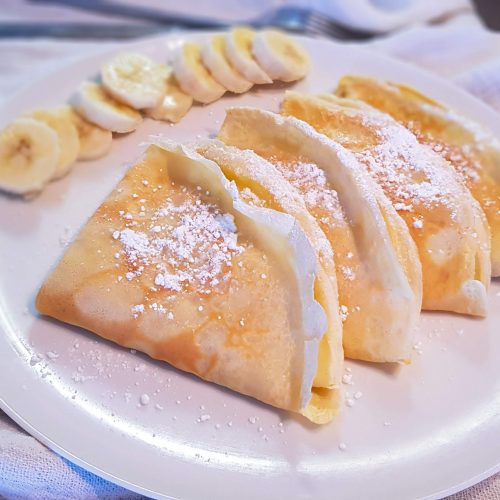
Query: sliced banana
(214,58)
(239,42)
(135,80)
(69,144)
(281,57)
(175,103)
(193,77)
(29,155)
(93,103)
(95,141)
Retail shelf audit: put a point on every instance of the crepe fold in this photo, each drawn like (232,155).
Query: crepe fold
(260,184)
(445,221)
(470,148)
(175,264)
(375,260)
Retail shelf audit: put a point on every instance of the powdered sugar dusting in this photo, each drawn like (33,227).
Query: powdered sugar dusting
(344,312)
(411,174)
(187,243)
(248,196)
(460,157)
(200,246)
(478,133)
(137,309)
(466,162)
(313,184)
(136,244)
(246,164)
(348,273)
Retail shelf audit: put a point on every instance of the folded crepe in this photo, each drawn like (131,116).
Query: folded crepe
(377,266)
(260,184)
(445,221)
(176,265)
(471,149)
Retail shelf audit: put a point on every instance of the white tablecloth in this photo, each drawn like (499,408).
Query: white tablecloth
(459,49)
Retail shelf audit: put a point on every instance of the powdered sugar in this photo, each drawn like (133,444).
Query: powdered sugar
(66,236)
(344,312)
(246,164)
(408,172)
(418,223)
(158,307)
(467,160)
(188,243)
(170,281)
(479,134)
(313,184)
(348,273)
(136,244)
(461,157)
(248,196)
(137,310)
(199,246)
(312,181)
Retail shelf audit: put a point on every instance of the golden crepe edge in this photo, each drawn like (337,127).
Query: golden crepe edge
(326,391)
(61,294)
(364,130)
(387,248)
(456,137)
(251,172)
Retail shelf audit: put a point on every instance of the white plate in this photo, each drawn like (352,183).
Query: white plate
(428,429)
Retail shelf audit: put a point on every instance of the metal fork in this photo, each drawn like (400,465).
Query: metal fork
(301,20)
(295,19)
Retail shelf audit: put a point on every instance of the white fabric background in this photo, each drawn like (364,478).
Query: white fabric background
(377,15)
(459,49)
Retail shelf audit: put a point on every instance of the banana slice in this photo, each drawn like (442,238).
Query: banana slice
(281,57)
(214,58)
(69,144)
(193,77)
(94,104)
(174,106)
(135,80)
(95,141)
(239,44)
(29,155)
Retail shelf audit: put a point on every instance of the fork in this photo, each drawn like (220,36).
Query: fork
(295,19)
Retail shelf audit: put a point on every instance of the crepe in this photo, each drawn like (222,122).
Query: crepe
(446,223)
(471,149)
(260,184)
(176,265)
(377,267)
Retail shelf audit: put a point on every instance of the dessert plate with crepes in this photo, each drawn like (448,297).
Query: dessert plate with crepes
(152,426)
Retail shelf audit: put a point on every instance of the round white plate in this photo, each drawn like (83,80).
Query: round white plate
(423,430)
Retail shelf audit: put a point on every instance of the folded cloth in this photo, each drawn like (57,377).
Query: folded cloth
(30,470)
(381,16)
(460,50)
(373,15)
